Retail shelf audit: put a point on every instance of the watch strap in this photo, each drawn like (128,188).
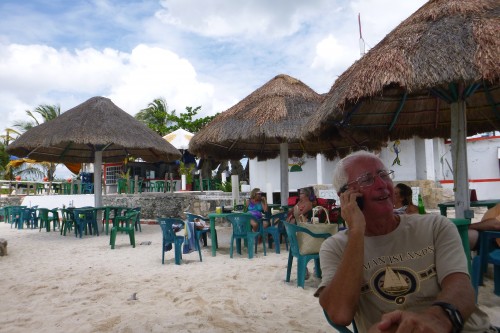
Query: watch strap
(454,315)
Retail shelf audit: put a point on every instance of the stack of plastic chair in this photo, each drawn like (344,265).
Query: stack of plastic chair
(302,259)
(275,230)
(87,188)
(159,186)
(124,224)
(169,227)
(242,229)
(199,233)
(16,216)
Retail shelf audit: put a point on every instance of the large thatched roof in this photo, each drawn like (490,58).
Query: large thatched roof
(272,114)
(448,49)
(97,124)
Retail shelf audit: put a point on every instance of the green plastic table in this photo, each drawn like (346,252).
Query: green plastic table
(443,207)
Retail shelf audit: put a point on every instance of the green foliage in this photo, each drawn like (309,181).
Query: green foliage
(157,117)
(187,170)
(36,170)
(225,187)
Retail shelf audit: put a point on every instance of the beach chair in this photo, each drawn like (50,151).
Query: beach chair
(169,227)
(302,259)
(242,229)
(124,224)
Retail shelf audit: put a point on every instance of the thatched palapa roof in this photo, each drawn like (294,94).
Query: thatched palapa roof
(97,124)
(272,114)
(404,86)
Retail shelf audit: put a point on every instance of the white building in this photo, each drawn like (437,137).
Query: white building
(420,160)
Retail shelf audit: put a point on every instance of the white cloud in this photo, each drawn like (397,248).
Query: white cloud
(35,74)
(331,54)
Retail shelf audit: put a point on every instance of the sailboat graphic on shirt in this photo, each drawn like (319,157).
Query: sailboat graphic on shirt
(394,283)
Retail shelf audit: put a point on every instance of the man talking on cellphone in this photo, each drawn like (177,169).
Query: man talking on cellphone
(393,273)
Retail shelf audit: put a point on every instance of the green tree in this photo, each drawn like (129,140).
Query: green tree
(46,113)
(9,136)
(157,117)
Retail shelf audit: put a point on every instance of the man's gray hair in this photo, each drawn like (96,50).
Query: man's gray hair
(340,177)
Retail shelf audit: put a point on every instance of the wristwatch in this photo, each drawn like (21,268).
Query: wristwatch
(454,315)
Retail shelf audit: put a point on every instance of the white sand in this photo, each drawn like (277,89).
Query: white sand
(52,283)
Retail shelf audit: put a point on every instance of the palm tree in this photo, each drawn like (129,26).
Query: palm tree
(155,116)
(47,113)
(9,136)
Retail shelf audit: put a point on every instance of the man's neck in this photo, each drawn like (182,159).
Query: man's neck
(382,226)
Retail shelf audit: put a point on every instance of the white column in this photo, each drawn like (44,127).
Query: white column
(284,173)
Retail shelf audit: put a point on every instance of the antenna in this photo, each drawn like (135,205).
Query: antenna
(361,40)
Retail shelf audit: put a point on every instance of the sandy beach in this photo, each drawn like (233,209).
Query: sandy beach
(54,283)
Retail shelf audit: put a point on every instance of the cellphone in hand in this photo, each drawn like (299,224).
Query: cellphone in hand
(359,200)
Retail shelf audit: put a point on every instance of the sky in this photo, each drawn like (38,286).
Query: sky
(210,53)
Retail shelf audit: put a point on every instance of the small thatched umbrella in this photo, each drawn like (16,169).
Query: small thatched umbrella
(92,132)
(268,123)
(435,75)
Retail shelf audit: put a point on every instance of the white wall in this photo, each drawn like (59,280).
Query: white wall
(420,160)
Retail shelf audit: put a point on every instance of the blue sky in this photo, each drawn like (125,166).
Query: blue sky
(211,53)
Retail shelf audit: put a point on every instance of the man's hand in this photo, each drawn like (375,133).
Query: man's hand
(406,321)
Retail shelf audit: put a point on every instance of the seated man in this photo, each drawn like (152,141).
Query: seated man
(393,273)
(490,221)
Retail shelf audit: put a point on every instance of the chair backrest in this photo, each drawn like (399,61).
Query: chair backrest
(138,210)
(67,214)
(167,227)
(241,223)
(276,219)
(192,217)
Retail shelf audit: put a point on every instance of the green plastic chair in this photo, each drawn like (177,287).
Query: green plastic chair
(340,328)
(160,186)
(199,233)
(122,186)
(275,230)
(242,229)
(124,224)
(68,221)
(170,239)
(302,259)
(45,219)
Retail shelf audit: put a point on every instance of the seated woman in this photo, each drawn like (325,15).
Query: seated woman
(256,205)
(490,222)
(303,208)
(402,200)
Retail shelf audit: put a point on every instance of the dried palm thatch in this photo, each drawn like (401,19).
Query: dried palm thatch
(271,115)
(95,125)
(448,50)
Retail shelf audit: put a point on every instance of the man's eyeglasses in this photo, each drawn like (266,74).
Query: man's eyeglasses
(368,179)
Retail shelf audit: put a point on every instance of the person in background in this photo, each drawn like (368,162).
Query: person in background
(403,203)
(389,272)
(256,205)
(489,222)
(303,208)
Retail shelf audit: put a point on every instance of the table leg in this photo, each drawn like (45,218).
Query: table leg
(212,235)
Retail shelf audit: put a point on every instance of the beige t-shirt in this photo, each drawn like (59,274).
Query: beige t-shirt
(403,269)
